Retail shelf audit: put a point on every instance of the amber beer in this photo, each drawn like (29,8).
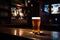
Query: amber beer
(36,24)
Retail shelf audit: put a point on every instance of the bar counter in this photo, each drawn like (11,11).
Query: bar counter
(27,33)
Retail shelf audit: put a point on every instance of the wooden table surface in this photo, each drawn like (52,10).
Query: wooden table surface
(23,32)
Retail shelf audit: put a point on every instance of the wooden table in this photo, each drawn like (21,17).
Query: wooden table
(28,33)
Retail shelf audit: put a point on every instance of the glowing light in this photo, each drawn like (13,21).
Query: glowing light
(15,13)
(31,32)
(18,5)
(28,1)
(41,31)
(31,5)
(20,32)
(21,14)
(15,32)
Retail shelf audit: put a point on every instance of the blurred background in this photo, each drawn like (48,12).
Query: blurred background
(18,13)
(16,19)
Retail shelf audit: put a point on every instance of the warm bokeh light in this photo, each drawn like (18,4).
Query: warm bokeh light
(41,31)
(18,5)
(20,32)
(21,14)
(15,13)
(15,32)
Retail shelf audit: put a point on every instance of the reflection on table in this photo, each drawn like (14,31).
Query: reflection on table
(27,33)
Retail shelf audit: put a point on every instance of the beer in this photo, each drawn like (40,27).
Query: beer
(36,24)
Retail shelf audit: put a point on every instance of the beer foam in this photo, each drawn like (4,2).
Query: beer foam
(36,18)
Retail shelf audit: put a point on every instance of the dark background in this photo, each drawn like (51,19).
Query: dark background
(5,8)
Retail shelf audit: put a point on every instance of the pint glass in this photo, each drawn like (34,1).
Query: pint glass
(36,21)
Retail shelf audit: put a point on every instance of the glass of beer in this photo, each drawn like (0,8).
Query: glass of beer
(36,21)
